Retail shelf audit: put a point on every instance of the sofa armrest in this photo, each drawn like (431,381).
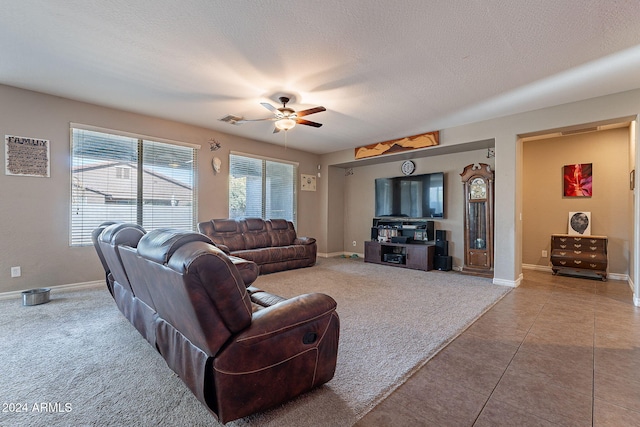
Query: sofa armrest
(289,314)
(304,241)
(223,248)
(289,348)
(280,332)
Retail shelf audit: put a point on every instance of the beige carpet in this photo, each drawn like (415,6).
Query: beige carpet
(77,361)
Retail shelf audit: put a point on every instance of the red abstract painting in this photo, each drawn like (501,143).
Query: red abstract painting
(578,180)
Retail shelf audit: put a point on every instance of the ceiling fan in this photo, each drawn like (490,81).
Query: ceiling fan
(285,118)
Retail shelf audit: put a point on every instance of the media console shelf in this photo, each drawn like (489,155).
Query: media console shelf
(418,256)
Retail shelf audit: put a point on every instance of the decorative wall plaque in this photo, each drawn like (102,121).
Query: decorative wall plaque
(27,156)
(308,182)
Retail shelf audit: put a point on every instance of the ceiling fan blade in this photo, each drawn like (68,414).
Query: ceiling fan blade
(308,123)
(269,107)
(310,111)
(260,120)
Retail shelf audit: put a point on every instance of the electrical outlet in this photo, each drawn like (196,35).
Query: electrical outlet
(544,254)
(15,272)
(354,243)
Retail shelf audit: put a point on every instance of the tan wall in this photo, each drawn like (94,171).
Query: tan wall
(546,211)
(359,193)
(505,131)
(34,212)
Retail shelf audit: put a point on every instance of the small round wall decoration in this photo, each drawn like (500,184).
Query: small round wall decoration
(408,167)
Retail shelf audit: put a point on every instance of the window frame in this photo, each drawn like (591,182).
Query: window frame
(264,159)
(140,187)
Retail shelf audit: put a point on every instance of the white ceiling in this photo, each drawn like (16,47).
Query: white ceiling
(383,69)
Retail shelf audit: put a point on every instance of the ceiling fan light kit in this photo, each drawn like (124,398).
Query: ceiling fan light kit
(285,124)
(285,118)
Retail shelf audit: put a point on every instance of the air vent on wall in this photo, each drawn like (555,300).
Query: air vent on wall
(576,131)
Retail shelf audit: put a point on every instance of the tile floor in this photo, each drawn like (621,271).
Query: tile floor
(557,350)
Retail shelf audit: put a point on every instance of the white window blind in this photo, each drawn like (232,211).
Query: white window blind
(120,177)
(262,188)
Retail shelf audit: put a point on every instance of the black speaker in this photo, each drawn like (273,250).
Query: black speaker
(441,235)
(374,233)
(429,228)
(442,263)
(442,248)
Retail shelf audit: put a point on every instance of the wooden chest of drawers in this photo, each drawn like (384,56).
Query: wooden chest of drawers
(581,255)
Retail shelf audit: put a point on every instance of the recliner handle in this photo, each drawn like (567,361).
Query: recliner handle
(309,338)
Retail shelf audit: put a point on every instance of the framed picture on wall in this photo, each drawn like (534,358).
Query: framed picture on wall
(578,180)
(579,223)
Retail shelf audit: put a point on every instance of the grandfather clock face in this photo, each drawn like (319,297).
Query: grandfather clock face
(478,189)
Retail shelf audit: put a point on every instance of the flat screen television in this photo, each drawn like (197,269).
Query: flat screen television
(413,196)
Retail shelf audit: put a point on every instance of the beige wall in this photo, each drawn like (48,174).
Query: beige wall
(34,212)
(505,132)
(545,210)
(360,206)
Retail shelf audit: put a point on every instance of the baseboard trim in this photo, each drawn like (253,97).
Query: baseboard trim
(612,276)
(68,287)
(336,254)
(510,283)
(535,267)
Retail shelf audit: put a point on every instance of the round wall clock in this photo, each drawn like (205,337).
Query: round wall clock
(408,167)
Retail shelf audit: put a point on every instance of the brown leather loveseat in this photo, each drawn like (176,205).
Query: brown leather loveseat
(272,244)
(240,350)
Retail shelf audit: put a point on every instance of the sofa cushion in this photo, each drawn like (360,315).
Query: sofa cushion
(225,232)
(274,254)
(282,232)
(255,233)
(109,241)
(206,270)
(158,245)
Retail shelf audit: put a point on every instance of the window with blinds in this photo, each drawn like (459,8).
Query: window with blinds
(123,177)
(260,187)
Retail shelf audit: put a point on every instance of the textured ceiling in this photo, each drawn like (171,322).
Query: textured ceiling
(383,69)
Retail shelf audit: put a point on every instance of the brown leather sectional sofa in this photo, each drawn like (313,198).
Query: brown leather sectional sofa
(272,244)
(239,349)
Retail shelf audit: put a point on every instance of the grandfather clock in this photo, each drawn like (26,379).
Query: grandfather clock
(477,180)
